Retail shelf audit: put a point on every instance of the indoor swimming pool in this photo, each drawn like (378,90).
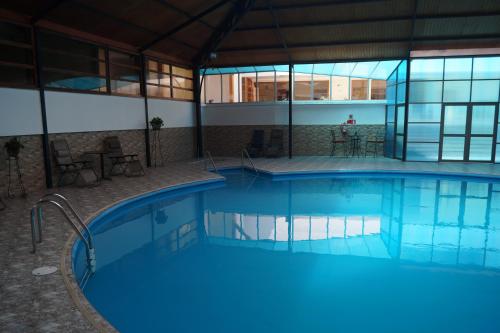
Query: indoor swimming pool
(373,252)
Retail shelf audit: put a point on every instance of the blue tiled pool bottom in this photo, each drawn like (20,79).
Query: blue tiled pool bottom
(362,253)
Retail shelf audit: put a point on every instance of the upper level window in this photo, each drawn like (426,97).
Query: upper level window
(359,89)
(158,82)
(378,88)
(182,82)
(16,55)
(125,73)
(72,64)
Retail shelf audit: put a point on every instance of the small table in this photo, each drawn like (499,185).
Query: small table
(101,154)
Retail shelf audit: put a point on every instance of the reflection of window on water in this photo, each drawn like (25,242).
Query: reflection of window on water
(181,238)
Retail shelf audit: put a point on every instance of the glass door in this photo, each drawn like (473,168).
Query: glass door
(468,132)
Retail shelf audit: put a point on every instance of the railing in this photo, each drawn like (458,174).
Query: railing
(210,158)
(37,218)
(244,153)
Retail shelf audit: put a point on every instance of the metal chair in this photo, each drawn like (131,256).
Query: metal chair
(336,142)
(129,163)
(374,142)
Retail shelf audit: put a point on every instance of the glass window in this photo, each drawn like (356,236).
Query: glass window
(181,82)
(401,120)
(248,86)
(125,73)
(63,80)
(229,88)
(302,87)
(184,72)
(455,119)
(423,132)
(422,151)
(340,88)
(15,33)
(485,91)
(456,91)
(183,94)
(399,146)
(402,72)
(424,113)
(480,148)
(266,86)
(321,84)
(401,92)
(359,89)
(282,86)
(125,87)
(458,68)
(391,94)
(453,148)
(213,90)
(486,68)
(391,110)
(426,69)
(15,54)
(378,89)
(158,91)
(483,119)
(425,92)
(10,75)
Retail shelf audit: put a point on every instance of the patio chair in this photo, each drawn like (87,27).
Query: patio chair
(82,170)
(126,164)
(275,146)
(338,142)
(372,144)
(256,147)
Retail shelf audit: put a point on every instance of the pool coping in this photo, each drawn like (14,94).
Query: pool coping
(102,325)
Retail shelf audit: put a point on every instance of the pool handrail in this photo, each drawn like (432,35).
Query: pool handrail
(244,153)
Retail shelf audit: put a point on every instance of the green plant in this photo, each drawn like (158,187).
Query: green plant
(156,123)
(13,147)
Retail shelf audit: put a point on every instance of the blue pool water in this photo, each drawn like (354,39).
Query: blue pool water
(359,253)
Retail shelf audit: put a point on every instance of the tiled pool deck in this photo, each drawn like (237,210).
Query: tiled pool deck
(43,304)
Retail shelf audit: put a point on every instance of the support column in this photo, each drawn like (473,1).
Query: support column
(290,111)
(146,109)
(197,101)
(407,100)
(41,89)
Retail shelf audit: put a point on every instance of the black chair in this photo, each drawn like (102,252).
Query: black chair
(373,143)
(256,147)
(79,169)
(336,142)
(129,164)
(275,146)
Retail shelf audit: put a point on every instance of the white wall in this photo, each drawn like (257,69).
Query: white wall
(173,113)
(67,112)
(365,113)
(76,112)
(20,112)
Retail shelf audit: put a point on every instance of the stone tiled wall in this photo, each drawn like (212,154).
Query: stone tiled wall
(230,140)
(316,140)
(30,162)
(177,144)
(307,139)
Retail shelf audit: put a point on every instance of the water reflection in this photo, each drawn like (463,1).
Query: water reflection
(443,221)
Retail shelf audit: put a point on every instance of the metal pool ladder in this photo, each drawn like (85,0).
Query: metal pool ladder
(210,158)
(61,202)
(244,153)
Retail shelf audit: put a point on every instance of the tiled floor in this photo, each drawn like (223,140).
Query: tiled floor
(42,304)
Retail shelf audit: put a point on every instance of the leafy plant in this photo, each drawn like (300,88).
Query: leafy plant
(156,123)
(13,147)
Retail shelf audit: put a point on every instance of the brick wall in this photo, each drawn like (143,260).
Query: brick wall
(177,144)
(307,139)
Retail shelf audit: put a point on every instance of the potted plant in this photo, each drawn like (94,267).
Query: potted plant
(13,147)
(156,123)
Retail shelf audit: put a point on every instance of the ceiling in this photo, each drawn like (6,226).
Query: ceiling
(259,32)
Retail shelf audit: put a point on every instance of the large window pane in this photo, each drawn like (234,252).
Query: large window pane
(455,119)
(422,151)
(213,90)
(399,146)
(184,72)
(483,119)
(378,89)
(423,132)
(266,86)
(20,55)
(486,68)
(359,89)
(458,69)
(248,86)
(321,84)
(456,91)
(340,88)
(425,92)
(480,148)
(453,148)
(16,75)
(63,80)
(183,94)
(485,91)
(391,113)
(426,69)
(15,33)
(302,87)
(401,120)
(391,94)
(282,86)
(125,87)
(229,88)
(424,113)
(181,82)
(401,92)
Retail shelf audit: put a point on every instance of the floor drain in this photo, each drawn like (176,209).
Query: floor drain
(45,270)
